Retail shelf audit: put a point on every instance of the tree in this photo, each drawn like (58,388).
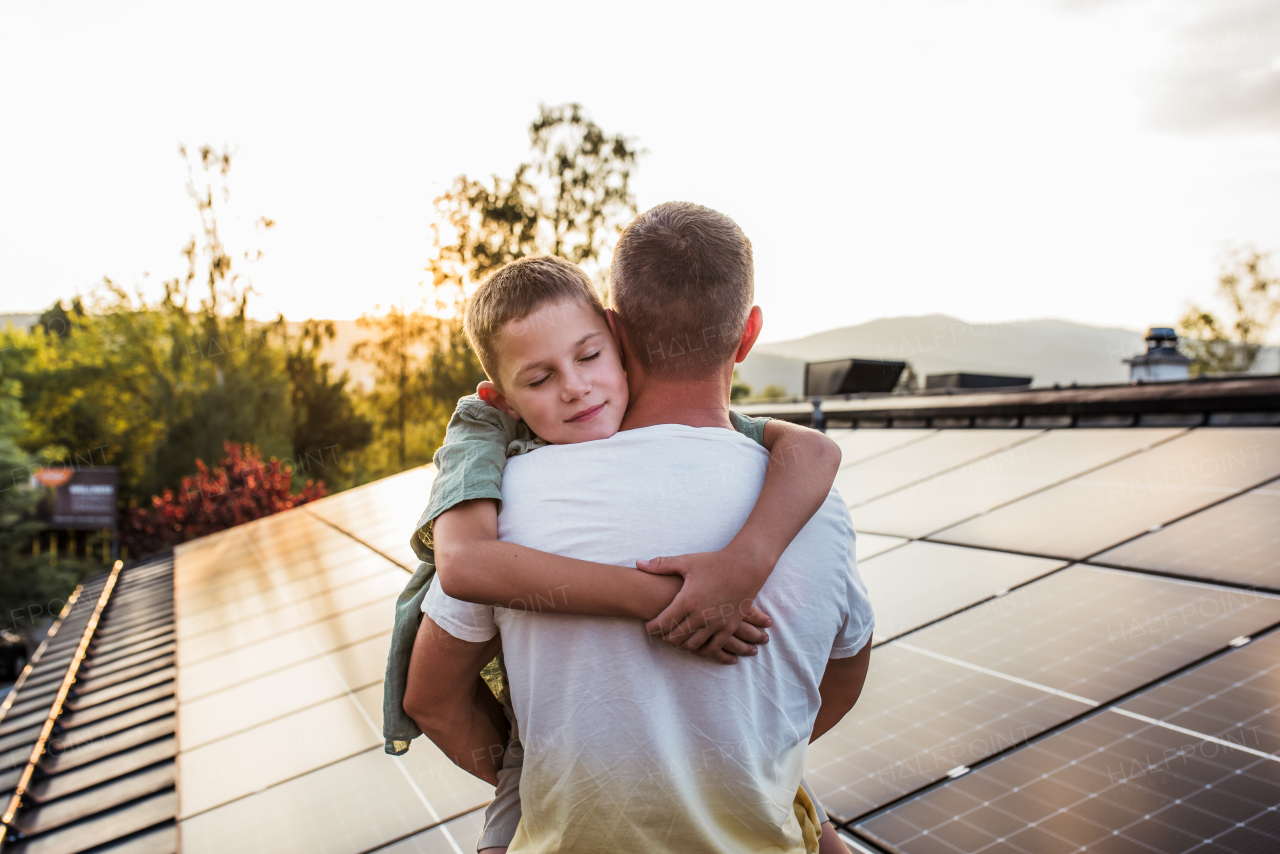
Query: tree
(241,489)
(397,351)
(324,414)
(571,199)
(1231,342)
(157,382)
(738,390)
(33,587)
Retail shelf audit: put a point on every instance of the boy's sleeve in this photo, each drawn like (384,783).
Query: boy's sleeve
(752,428)
(469,464)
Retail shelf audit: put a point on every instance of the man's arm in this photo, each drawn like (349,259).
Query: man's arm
(473,565)
(719,586)
(451,704)
(840,688)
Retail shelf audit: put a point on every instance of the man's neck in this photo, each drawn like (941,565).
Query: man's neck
(693,403)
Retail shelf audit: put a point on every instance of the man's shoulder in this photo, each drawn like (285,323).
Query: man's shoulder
(624,447)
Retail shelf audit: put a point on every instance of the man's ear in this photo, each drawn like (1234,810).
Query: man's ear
(750,332)
(490,394)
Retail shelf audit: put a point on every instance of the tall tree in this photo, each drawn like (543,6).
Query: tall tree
(1231,341)
(401,341)
(572,198)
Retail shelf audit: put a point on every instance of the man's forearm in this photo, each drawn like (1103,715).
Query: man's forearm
(841,686)
(491,572)
(472,734)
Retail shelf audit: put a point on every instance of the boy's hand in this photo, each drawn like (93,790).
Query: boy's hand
(714,603)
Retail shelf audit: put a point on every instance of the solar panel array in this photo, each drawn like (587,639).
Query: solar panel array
(1076,645)
(1053,605)
(283,626)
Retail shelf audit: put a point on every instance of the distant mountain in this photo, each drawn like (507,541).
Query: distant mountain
(1051,351)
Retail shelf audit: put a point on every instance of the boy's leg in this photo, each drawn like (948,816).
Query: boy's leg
(830,842)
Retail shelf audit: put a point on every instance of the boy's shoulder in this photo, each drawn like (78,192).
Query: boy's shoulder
(473,419)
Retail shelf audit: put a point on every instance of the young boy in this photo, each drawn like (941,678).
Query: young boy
(556,378)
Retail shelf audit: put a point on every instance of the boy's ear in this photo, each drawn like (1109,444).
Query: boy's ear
(750,332)
(490,394)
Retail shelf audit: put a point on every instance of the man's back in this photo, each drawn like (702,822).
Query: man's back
(632,745)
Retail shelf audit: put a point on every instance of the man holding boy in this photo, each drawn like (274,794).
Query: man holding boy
(632,745)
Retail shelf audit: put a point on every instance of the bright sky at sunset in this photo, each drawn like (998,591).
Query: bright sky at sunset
(989,159)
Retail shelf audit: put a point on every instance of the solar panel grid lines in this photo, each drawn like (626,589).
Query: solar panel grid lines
(1089,514)
(933,455)
(858,445)
(1003,477)
(331,745)
(1121,780)
(1235,541)
(968,703)
(917,583)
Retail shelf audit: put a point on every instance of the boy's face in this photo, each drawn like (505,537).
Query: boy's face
(560,372)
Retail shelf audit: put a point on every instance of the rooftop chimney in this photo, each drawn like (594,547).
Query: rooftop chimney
(1162,362)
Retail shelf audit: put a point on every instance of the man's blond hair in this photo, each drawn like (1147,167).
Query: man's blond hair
(515,291)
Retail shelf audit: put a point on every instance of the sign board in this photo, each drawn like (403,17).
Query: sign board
(76,498)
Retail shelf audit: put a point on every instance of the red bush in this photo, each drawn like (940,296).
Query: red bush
(244,488)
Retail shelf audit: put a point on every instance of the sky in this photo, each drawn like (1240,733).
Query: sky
(993,160)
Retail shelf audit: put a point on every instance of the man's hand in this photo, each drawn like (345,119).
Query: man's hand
(713,613)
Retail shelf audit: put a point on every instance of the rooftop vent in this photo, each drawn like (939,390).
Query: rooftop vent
(1162,362)
(851,376)
(963,380)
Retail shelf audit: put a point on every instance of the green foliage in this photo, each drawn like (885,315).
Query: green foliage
(571,199)
(150,385)
(1231,341)
(32,587)
(739,390)
(773,391)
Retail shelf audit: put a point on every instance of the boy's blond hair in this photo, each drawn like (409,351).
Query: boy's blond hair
(515,291)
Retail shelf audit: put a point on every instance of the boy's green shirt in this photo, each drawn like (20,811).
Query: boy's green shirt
(469,465)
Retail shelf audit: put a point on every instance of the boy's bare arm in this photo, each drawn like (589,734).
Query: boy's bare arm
(719,586)
(475,566)
(451,704)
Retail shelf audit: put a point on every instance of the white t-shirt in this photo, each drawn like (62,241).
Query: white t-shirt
(631,744)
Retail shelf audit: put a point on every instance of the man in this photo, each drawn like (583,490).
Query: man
(632,745)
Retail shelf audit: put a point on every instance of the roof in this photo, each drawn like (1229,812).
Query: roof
(89,727)
(1076,646)
(1250,401)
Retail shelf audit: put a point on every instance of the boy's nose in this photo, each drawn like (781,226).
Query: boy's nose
(575,386)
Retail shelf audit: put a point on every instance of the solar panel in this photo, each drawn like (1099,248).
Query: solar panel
(282,637)
(931,455)
(284,691)
(382,514)
(990,481)
(1081,517)
(357,804)
(1190,765)
(858,445)
(454,837)
(982,680)
(920,582)
(1237,541)
(870,545)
